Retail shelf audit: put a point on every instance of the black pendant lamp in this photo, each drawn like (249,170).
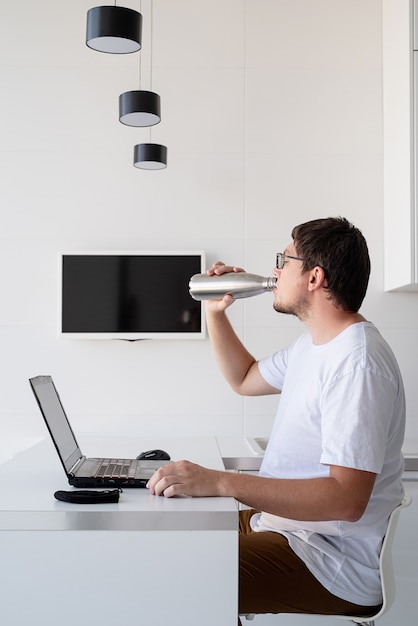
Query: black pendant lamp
(150,156)
(112,29)
(139,108)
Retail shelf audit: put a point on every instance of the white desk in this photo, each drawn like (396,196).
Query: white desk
(147,559)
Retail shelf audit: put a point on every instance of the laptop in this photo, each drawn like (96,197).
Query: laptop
(82,471)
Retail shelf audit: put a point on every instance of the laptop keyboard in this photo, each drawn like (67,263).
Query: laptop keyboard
(116,468)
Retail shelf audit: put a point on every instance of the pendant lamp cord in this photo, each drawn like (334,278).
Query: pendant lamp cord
(140,55)
(151,52)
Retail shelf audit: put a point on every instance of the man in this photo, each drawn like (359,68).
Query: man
(332,470)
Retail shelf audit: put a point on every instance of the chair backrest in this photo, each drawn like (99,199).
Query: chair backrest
(387,575)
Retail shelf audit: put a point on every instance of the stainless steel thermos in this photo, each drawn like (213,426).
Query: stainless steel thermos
(238,284)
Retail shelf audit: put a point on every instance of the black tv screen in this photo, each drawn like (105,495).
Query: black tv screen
(130,295)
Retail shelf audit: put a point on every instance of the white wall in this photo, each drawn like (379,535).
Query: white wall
(272,114)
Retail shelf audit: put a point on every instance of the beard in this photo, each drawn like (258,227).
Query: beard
(298,308)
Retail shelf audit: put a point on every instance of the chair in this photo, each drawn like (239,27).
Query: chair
(387,576)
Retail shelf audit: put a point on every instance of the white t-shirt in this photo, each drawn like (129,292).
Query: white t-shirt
(342,403)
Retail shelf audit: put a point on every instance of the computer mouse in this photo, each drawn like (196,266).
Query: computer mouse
(153,455)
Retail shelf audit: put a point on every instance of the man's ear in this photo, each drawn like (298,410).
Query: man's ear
(317,278)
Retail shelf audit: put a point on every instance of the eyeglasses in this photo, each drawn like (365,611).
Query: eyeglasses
(281,259)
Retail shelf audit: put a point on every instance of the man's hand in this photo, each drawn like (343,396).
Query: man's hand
(185,478)
(217,269)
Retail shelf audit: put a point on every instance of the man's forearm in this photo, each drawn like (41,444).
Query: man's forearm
(232,357)
(340,497)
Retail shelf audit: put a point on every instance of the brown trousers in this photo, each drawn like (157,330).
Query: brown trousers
(273,579)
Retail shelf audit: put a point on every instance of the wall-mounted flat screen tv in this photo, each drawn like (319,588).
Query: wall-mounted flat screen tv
(129,295)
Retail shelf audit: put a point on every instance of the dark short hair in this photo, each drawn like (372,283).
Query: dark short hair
(341,250)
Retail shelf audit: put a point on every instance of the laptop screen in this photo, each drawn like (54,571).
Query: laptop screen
(56,420)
